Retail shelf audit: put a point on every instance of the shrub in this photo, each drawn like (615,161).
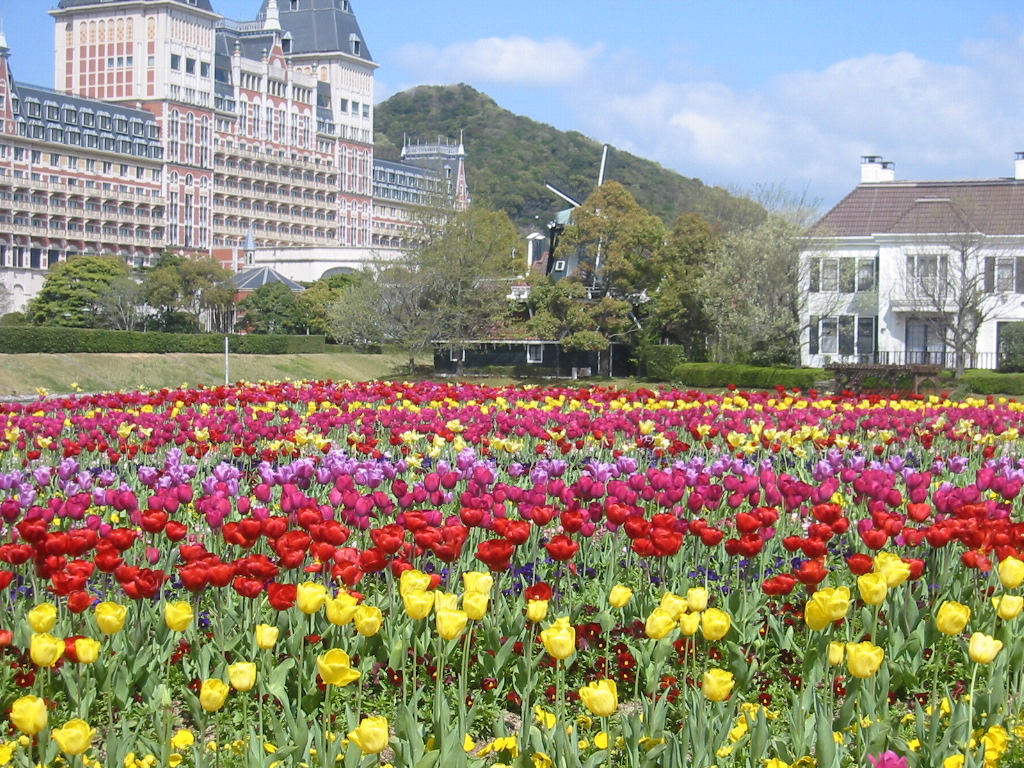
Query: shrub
(658,361)
(993,383)
(1011,347)
(54,340)
(704,375)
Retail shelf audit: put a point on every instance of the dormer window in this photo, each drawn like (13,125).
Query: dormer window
(286,43)
(355,44)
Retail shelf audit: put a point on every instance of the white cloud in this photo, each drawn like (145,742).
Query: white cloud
(519,61)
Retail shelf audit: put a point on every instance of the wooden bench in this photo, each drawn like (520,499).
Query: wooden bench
(881,377)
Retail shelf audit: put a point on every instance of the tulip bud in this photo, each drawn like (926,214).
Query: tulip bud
(368,620)
(892,567)
(213,694)
(620,596)
(475,581)
(660,623)
(689,623)
(697,599)
(873,588)
(559,639)
(45,650)
(413,581)
(371,736)
(1008,606)
(242,675)
(600,697)
(537,610)
(952,618)
(673,604)
(418,603)
(983,649)
(718,684)
(475,605)
(864,659)
(1011,572)
(87,650)
(715,624)
(43,617)
(178,615)
(110,617)
(74,738)
(310,596)
(446,601)
(266,636)
(450,624)
(29,714)
(836,652)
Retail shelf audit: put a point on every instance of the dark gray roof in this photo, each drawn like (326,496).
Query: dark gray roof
(203,5)
(252,45)
(993,207)
(321,26)
(251,279)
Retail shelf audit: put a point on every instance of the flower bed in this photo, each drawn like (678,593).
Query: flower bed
(300,574)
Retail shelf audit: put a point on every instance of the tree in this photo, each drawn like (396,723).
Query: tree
(190,293)
(72,290)
(750,294)
(452,286)
(618,241)
(271,308)
(318,297)
(122,307)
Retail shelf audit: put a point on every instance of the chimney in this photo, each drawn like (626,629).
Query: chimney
(873,170)
(1018,166)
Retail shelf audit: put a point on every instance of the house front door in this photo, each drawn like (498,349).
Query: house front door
(924,342)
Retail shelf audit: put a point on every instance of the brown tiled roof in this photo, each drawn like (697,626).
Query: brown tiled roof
(993,207)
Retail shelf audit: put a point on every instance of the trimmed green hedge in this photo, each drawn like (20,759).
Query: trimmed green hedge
(42,339)
(702,375)
(658,361)
(991,383)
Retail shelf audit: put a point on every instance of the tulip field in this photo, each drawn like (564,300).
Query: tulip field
(316,574)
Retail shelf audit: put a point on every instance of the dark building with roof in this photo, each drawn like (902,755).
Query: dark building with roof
(916,271)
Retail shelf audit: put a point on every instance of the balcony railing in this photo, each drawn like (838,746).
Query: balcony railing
(944,358)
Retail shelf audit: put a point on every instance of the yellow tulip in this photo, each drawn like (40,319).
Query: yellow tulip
(413,581)
(620,596)
(673,604)
(697,599)
(266,636)
(715,624)
(242,675)
(825,606)
(836,652)
(475,604)
(446,601)
(1011,572)
(29,714)
(952,618)
(475,581)
(342,608)
(559,639)
(74,738)
(418,604)
(864,659)
(600,697)
(368,620)
(110,617)
(213,694)
(689,623)
(873,588)
(371,736)
(87,650)
(892,567)
(1008,606)
(335,668)
(659,624)
(45,649)
(310,596)
(450,624)
(718,684)
(43,617)
(178,615)
(183,739)
(983,649)
(537,610)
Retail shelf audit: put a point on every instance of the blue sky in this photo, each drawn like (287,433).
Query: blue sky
(742,93)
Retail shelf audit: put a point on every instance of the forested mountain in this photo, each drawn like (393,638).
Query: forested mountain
(510,157)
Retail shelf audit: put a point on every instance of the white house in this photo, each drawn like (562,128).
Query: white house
(915,271)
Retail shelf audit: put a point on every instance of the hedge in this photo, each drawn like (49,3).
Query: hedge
(982,382)
(658,361)
(703,375)
(25,340)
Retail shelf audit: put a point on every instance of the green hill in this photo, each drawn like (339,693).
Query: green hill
(510,157)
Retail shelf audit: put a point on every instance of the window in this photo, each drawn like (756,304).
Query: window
(190,66)
(457,355)
(534,354)
(926,273)
(1004,274)
(829,275)
(204,69)
(559,266)
(845,335)
(842,274)
(175,61)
